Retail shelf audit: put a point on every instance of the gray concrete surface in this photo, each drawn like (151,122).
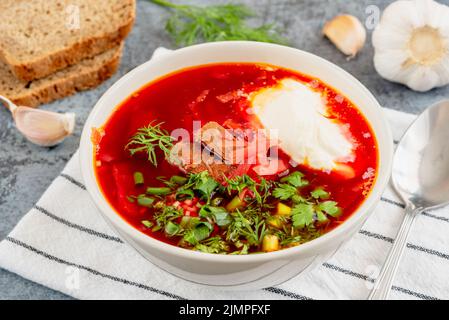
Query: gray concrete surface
(26,170)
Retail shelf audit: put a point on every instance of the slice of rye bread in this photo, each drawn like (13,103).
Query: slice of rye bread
(40,37)
(86,74)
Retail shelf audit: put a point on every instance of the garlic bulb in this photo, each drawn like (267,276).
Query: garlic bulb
(347,33)
(44,128)
(411,44)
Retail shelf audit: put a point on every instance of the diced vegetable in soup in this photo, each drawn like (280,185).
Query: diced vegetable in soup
(236,158)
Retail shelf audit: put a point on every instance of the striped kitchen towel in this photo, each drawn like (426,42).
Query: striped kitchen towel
(63,243)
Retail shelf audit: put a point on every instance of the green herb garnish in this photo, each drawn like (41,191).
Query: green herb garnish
(251,228)
(200,232)
(260,190)
(193,24)
(295,179)
(150,138)
(183,194)
(172,228)
(206,186)
(288,240)
(285,191)
(178,180)
(145,201)
(219,215)
(220,225)
(165,214)
(302,215)
(138,178)
(212,245)
(162,191)
(288,189)
(330,207)
(319,193)
(148,224)
(202,183)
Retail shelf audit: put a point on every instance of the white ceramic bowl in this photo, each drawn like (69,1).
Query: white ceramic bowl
(247,271)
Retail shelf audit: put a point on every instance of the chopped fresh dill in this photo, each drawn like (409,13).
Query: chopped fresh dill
(150,138)
(191,24)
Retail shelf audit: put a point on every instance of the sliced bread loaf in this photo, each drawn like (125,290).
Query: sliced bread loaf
(84,75)
(40,37)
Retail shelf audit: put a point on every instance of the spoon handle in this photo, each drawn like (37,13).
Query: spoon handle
(382,286)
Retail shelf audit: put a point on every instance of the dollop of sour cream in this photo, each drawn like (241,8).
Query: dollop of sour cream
(298,116)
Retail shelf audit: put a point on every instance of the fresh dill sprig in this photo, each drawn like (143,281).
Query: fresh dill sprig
(193,24)
(148,139)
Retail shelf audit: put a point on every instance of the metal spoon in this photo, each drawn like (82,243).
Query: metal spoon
(421,178)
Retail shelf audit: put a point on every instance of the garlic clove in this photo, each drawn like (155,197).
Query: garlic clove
(43,128)
(347,33)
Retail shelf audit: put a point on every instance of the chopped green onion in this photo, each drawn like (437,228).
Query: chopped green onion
(200,232)
(219,214)
(183,194)
(178,180)
(172,228)
(206,186)
(138,178)
(147,223)
(159,191)
(145,201)
(188,222)
(242,224)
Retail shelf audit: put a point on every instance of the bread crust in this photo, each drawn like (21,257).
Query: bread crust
(70,85)
(55,61)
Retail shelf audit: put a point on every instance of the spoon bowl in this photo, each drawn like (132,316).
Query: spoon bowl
(421,162)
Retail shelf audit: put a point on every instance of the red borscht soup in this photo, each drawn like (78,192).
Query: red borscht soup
(235,158)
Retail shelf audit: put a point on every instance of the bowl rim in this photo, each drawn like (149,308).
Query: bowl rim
(113,218)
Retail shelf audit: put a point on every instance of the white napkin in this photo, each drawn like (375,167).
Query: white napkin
(63,243)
